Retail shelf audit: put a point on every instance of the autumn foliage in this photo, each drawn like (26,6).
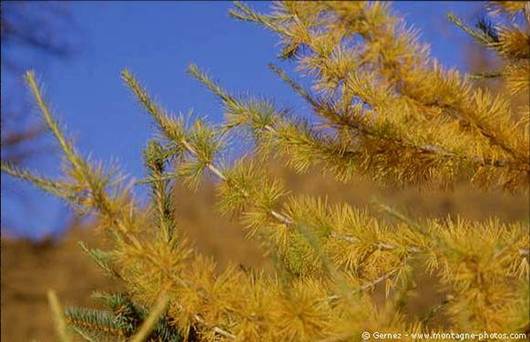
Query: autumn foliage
(382,108)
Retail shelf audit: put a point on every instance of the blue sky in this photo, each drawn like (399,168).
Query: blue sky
(156,41)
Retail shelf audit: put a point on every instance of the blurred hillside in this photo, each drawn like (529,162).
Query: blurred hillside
(29,269)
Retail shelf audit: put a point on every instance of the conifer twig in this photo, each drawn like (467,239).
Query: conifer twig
(478,35)
(224,333)
(87,178)
(283,218)
(370,284)
(58,188)
(154,315)
(483,75)
(348,121)
(53,125)
(58,317)
(162,120)
(215,329)
(83,334)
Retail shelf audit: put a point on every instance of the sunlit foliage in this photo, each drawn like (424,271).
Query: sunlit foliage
(381,108)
